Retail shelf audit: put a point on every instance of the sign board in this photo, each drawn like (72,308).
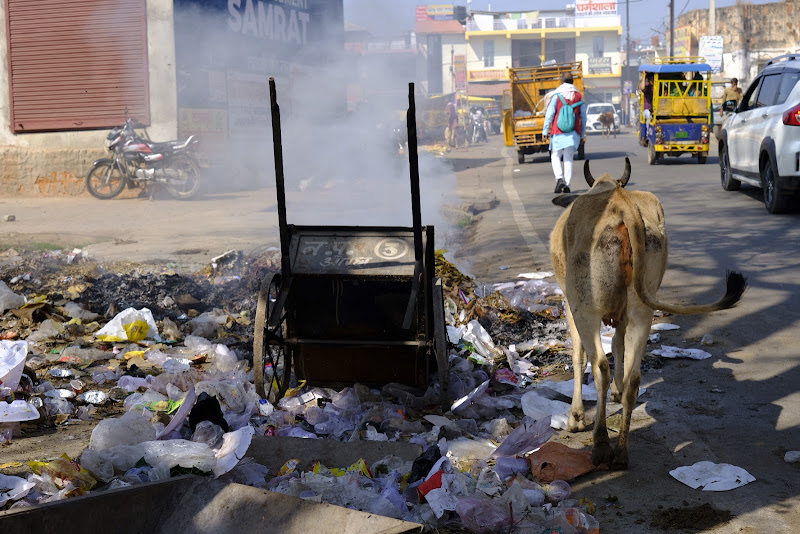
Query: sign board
(711,49)
(435,12)
(627,87)
(599,65)
(682,41)
(595,8)
(460,70)
(483,75)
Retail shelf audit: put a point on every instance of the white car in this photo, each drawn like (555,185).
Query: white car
(595,110)
(760,140)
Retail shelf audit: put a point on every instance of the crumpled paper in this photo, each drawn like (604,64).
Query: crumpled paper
(712,477)
(667,351)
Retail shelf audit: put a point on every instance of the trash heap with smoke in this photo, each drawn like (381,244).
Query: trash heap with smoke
(170,390)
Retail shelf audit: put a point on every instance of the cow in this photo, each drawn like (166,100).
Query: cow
(607,123)
(609,253)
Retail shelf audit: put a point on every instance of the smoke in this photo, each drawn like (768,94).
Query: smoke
(340,166)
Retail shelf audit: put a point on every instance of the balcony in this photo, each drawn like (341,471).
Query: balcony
(520,24)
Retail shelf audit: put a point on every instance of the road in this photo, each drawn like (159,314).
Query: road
(741,407)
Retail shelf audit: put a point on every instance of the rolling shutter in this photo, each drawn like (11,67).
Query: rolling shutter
(77,64)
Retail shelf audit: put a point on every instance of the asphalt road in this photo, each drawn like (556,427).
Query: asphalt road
(741,407)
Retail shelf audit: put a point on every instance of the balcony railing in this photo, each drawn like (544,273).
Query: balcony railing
(521,24)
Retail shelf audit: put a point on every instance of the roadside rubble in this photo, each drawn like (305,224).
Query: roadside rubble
(160,362)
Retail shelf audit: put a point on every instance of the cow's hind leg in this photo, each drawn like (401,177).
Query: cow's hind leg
(577,419)
(589,330)
(618,350)
(635,341)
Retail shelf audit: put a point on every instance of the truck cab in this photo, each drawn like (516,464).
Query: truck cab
(525,105)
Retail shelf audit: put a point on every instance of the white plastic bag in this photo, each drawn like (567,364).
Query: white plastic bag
(130,325)
(12,362)
(8,299)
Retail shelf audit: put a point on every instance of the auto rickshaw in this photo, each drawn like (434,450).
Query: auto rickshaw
(682,116)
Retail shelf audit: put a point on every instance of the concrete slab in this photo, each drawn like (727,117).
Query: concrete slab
(195,505)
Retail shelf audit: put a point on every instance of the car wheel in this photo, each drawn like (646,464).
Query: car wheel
(774,199)
(651,155)
(701,159)
(520,156)
(729,183)
(581,151)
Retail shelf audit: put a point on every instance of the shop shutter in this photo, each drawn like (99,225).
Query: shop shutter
(77,64)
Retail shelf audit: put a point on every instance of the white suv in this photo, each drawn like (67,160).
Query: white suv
(595,110)
(760,140)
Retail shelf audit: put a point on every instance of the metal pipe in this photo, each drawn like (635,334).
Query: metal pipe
(277,148)
(416,210)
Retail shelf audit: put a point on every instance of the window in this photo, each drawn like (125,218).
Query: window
(788,81)
(750,96)
(488,53)
(597,46)
(769,90)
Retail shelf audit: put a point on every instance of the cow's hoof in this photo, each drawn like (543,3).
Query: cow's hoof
(576,424)
(620,459)
(616,396)
(602,454)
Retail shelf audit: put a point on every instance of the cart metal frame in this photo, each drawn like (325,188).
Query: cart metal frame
(351,303)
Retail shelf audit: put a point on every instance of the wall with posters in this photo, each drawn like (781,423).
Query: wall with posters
(226,51)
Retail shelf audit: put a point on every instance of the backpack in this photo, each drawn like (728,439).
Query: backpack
(566,117)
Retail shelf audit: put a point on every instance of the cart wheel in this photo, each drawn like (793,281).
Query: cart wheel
(269,348)
(440,344)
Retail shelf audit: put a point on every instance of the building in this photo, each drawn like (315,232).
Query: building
(74,69)
(493,42)
(752,34)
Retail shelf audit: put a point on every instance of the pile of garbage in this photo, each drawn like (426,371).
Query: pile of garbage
(170,387)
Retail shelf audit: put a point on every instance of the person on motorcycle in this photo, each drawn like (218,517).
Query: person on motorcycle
(478,131)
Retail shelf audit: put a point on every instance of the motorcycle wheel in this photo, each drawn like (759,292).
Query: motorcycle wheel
(188,184)
(105,181)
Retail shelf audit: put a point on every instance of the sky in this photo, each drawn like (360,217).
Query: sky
(394,17)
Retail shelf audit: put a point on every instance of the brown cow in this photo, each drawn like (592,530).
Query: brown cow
(609,253)
(608,124)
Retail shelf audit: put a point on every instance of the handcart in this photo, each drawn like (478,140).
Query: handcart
(352,304)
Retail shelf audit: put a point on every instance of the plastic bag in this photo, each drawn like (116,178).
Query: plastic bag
(129,429)
(65,471)
(130,325)
(13,488)
(480,514)
(12,362)
(8,299)
(98,465)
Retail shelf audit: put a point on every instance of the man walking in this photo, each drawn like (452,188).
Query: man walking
(565,132)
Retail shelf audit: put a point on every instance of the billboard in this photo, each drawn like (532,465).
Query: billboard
(226,51)
(595,8)
(682,41)
(435,12)
(599,65)
(711,48)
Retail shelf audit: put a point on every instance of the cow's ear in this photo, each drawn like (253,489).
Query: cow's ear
(565,200)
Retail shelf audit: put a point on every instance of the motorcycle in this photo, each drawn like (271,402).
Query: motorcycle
(478,131)
(139,162)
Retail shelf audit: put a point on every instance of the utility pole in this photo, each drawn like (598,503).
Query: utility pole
(671,27)
(625,101)
(712,17)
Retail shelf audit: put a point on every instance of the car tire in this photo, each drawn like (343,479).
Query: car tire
(520,156)
(651,155)
(582,151)
(729,183)
(774,199)
(701,159)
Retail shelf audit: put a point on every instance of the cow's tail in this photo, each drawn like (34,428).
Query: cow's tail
(736,283)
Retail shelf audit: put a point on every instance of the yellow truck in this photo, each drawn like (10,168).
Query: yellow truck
(524,105)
